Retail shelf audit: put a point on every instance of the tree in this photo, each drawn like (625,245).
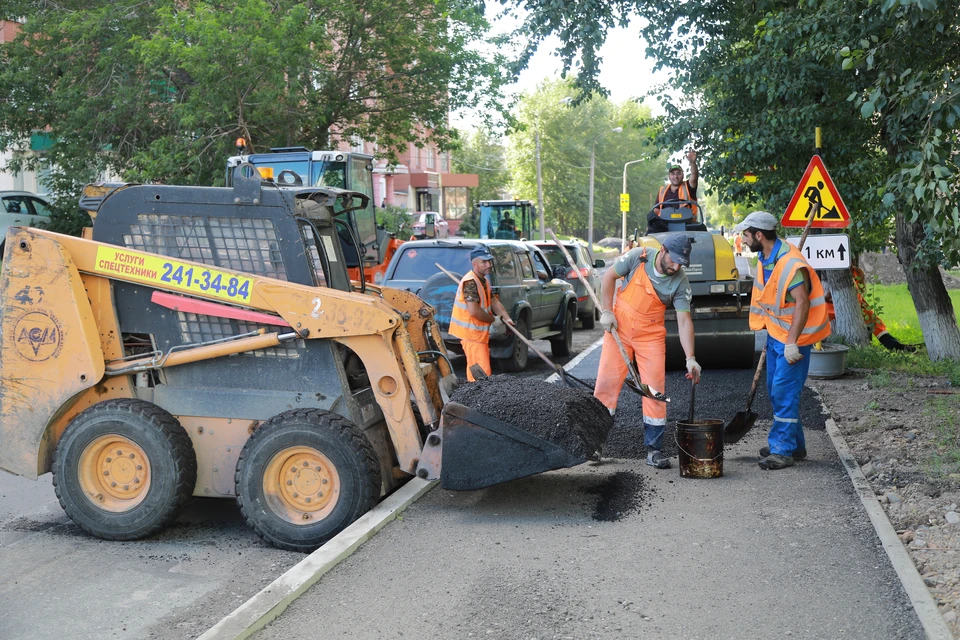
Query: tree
(479,152)
(158,91)
(567,134)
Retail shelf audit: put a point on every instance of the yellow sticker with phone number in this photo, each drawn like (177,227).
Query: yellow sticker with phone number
(165,273)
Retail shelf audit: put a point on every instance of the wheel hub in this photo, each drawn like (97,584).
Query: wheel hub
(301,485)
(114,473)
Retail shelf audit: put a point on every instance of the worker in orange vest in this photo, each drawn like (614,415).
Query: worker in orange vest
(652,279)
(676,190)
(788,302)
(476,311)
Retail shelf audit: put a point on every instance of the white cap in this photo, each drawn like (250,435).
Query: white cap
(757,220)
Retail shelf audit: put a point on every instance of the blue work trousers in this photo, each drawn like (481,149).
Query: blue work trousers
(784,386)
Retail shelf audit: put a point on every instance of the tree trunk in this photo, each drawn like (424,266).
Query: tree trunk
(849,323)
(934,307)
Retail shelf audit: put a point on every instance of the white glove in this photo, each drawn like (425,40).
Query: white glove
(497,328)
(693,369)
(608,321)
(792,353)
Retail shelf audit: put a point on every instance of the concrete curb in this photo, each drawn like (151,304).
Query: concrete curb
(920,597)
(580,358)
(258,611)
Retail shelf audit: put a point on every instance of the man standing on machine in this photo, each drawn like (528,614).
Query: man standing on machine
(652,279)
(788,302)
(476,311)
(677,190)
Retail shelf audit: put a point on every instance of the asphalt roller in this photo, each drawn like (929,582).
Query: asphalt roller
(721,296)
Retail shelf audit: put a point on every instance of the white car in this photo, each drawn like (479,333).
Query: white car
(420,222)
(21,209)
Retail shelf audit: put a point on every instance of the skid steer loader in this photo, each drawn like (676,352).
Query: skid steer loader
(206,341)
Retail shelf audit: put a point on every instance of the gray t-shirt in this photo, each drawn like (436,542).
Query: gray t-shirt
(673,289)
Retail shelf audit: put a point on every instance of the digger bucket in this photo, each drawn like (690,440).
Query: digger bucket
(472,450)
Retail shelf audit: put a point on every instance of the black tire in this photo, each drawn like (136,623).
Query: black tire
(521,353)
(589,321)
(563,345)
(304,476)
(132,494)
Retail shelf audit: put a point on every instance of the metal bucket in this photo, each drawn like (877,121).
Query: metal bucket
(700,445)
(829,363)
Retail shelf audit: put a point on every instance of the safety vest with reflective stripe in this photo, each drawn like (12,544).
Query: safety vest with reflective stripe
(769,309)
(462,324)
(683,193)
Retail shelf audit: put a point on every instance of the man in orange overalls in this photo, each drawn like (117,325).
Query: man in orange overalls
(652,279)
(474,311)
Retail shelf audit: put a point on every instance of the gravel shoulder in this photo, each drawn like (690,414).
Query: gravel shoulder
(905,434)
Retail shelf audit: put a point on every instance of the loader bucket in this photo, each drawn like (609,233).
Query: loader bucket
(478,451)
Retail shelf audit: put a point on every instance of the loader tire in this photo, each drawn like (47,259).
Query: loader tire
(123,469)
(521,353)
(561,346)
(304,476)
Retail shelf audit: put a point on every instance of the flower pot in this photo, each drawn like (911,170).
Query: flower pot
(829,363)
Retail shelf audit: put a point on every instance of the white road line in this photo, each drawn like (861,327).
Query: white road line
(923,603)
(258,611)
(580,358)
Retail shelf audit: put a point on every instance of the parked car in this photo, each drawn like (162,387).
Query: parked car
(588,311)
(610,243)
(543,307)
(442,227)
(21,209)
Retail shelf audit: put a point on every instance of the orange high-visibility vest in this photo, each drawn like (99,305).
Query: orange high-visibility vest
(683,193)
(462,324)
(769,309)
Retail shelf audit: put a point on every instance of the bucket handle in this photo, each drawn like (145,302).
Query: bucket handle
(693,457)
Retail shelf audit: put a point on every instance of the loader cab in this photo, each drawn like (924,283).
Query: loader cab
(506,219)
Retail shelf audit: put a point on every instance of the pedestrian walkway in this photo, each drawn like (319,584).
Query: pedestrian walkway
(620,550)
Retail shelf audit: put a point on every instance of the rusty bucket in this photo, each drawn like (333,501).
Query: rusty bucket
(700,445)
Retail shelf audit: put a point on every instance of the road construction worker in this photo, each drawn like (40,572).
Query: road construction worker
(870,317)
(652,279)
(677,189)
(475,311)
(788,302)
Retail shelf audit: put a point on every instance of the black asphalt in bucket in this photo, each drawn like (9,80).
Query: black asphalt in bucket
(700,448)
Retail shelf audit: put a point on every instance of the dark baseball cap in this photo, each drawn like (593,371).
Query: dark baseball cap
(678,246)
(480,252)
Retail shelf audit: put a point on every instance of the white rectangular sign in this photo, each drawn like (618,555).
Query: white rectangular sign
(826,251)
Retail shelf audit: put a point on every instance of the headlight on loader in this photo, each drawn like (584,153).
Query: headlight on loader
(716,288)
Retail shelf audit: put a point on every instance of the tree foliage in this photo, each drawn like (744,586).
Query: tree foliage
(158,91)
(567,134)
(481,153)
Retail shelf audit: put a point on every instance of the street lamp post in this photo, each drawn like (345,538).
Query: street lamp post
(623,246)
(593,158)
(543,229)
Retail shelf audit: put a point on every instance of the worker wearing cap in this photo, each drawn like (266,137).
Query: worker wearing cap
(676,190)
(652,279)
(788,302)
(474,311)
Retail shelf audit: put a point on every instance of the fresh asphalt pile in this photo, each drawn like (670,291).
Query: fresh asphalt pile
(625,439)
(570,418)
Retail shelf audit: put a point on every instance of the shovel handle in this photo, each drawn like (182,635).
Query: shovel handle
(693,394)
(756,379)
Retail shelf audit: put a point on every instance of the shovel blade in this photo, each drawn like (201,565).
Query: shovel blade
(480,451)
(739,426)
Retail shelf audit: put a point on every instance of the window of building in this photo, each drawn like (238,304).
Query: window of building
(430,159)
(456,202)
(356,144)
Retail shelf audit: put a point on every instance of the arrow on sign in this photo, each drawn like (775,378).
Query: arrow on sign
(841,250)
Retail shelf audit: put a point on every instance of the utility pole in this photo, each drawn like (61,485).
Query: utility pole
(593,158)
(543,230)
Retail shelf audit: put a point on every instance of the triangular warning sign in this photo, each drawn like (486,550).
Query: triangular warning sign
(816,186)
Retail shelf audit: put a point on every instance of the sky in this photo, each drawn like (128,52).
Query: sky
(625,71)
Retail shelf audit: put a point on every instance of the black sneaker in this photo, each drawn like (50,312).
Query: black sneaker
(799,454)
(774,461)
(657,460)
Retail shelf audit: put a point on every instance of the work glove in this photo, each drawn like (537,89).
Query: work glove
(693,370)
(792,354)
(497,328)
(608,321)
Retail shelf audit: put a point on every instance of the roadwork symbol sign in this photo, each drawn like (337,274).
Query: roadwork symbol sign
(816,187)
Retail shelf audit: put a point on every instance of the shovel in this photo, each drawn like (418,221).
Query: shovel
(744,420)
(568,378)
(633,381)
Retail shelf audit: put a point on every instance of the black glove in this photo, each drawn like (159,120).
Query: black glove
(893,344)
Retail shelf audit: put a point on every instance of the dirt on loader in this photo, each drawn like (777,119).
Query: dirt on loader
(570,418)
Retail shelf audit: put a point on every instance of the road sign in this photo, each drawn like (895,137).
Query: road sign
(816,187)
(625,202)
(825,252)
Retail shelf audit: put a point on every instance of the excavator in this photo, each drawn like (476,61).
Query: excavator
(208,341)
